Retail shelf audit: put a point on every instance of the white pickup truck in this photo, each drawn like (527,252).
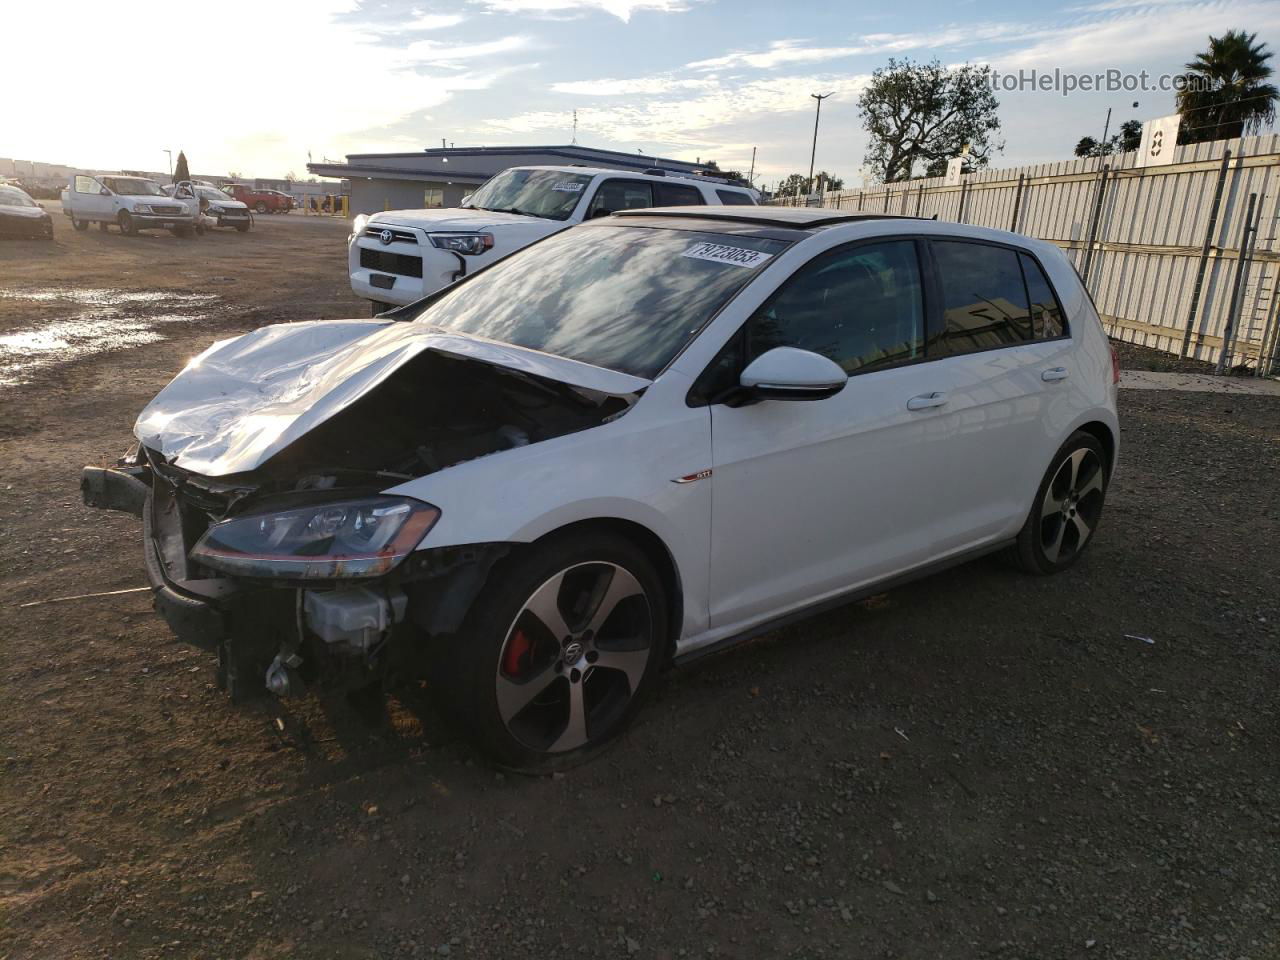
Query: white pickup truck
(130,203)
(401,256)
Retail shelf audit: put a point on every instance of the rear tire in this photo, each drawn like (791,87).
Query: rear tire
(533,700)
(260,206)
(1067,508)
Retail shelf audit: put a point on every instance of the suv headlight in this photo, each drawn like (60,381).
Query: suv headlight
(467,243)
(359,223)
(339,539)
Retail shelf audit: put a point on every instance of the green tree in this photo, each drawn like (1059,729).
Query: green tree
(1227,93)
(920,115)
(828,181)
(1126,141)
(789,186)
(180,171)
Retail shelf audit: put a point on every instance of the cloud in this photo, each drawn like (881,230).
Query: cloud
(782,52)
(431,21)
(622,9)
(434,53)
(634,86)
(688,121)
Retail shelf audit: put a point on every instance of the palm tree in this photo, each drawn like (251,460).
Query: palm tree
(1227,93)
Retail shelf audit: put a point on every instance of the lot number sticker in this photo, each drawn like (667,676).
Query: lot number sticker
(568,187)
(723,253)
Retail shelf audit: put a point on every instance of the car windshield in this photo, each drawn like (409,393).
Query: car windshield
(12,197)
(133,187)
(623,297)
(210,193)
(534,193)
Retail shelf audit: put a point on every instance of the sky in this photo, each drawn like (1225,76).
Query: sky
(688,79)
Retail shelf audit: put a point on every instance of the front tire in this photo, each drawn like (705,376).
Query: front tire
(81,225)
(127,226)
(1067,508)
(559,651)
(242,227)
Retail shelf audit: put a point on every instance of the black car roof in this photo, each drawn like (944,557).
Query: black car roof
(795,218)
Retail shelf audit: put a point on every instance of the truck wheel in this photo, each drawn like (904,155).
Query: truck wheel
(260,206)
(81,225)
(242,228)
(127,226)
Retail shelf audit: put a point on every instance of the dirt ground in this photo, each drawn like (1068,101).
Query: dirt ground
(980,764)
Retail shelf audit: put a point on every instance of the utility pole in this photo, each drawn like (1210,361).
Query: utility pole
(816,117)
(751,177)
(1106,128)
(170,153)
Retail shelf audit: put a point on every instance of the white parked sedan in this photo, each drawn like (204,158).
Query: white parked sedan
(638,440)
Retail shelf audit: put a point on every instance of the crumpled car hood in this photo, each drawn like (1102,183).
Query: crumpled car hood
(245,399)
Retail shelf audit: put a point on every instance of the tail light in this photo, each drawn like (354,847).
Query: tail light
(1115,366)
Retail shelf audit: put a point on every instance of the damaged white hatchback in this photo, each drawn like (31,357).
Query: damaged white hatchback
(633,442)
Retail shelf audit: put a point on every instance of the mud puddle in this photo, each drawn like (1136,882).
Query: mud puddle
(106,320)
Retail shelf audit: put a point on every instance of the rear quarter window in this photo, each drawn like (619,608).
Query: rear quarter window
(732,198)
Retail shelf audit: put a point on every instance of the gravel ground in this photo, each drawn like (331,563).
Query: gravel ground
(978,764)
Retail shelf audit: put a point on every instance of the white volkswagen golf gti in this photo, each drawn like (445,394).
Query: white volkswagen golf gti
(638,440)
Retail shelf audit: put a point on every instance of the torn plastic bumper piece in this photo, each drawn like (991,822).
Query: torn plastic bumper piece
(115,488)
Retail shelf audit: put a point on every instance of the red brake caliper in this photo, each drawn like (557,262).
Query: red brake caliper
(516,659)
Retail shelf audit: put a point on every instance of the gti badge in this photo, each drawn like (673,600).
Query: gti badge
(385,236)
(691,477)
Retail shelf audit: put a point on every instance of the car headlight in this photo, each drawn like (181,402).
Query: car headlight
(467,243)
(142,208)
(358,225)
(339,539)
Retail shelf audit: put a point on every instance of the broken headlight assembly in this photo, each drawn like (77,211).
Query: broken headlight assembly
(338,539)
(470,244)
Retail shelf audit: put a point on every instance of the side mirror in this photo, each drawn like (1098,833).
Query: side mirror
(104,192)
(41,206)
(788,373)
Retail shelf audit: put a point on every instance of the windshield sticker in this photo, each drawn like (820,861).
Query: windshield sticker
(568,186)
(723,253)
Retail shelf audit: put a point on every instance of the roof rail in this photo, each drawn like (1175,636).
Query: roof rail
(696,175)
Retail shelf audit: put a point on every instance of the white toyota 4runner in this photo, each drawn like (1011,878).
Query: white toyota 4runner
(401,256)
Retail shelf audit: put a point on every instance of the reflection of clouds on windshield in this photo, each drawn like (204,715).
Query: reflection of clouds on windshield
(617,297)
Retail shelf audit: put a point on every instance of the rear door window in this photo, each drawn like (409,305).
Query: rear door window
(676,195)
(614,195)
(984,300)
(1046,312)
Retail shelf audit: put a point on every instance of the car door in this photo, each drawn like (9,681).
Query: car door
(810,498)
(992,372)
(90,202)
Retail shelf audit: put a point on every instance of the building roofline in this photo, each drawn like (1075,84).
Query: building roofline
(638,160)
(349,171)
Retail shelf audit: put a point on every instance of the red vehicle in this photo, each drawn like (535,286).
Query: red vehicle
(261,201)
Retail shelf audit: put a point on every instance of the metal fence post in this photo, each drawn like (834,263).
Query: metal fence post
(1204,253)
(1270,334)
(964,192)
(886,199)
(1093,225)
(859,199)
(919,199)
(1237,288)
(1017,203)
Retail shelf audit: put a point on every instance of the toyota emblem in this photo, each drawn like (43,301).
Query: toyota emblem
(385,236)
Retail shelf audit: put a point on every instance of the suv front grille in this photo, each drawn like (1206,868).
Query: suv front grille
(397,236)
(387,262)
(165,210)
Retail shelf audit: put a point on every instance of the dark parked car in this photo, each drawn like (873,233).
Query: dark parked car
(20,216)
